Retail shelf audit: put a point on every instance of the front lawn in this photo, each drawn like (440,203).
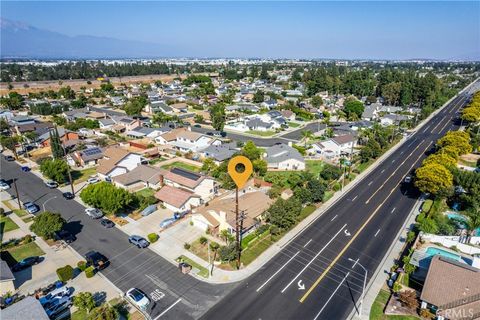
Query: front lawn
(20,212)
(6,224)
(314,166)
(83,175)
(261,133)
(293,124)
(147,192)
(376,312)
(203,271)
(21,252)
(182,165)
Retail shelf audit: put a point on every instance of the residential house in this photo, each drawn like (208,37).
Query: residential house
(118,161)
(87,157)
(199,184)
(142,132)
(64,134)
(158,106)
(106,123)
(270,103)
(22,120)
(28,308)
(168,137)
(393,119)
(370,112)
(451,289)
(143,176)
(242,107)
(179,107)
(335,147)
(6,279)
(220,152)
(189,141)
(177,200)
(6,114)
(126,122)
(260,125)
(284,157)
(288,115)
(220,213)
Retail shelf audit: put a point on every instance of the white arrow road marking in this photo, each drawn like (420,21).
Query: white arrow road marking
(301,286)
(348,234)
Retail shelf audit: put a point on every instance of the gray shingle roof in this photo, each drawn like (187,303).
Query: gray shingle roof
(26,309)
(221,152)
(282,152)
(5,272)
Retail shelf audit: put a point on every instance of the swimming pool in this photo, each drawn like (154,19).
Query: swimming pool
(461,219)
(433,251)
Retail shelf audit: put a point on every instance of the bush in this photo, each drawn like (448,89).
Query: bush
(152,237)
(396,287)
(46,224)
(82,265)
(65,273)
(89,272)
(228,253)
(187,246)
(2,212)
(426,314)
(27,239)
(203,240)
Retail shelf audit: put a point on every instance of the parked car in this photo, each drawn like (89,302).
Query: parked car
(97,260)
(94,213)
(58,305)
(93,180)
(51,184)
(65,236)
(25,168)
(9,158)
(27,262)
(107,223)
(4,186)
(138,298)
(167,222)
(148,210)
(68,195)
(31,207)
(197,126)
(55,294)
(408,179)
(138,241)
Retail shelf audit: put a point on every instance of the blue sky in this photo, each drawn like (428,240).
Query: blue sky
(271,29)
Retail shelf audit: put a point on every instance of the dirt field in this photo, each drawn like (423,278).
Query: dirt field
(35,86)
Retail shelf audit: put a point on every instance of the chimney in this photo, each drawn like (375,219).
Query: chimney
(160,178)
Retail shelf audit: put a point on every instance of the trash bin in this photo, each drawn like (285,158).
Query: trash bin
(184,267)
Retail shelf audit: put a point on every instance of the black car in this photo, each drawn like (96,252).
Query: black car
(97,260)
(27,262)
(107,223)
(68,195)
(9,158)
(65,236)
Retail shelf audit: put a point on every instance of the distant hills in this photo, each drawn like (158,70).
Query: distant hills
(19,40)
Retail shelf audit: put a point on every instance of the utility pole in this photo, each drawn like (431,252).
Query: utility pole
(237,229)
(16,191)
(69,171)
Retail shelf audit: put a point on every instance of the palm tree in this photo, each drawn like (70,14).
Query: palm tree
(473,222)
(306,135)
(341,115)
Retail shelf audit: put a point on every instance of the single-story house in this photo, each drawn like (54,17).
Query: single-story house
(220,213)
(118,161)
(203,186)
(6,114)
(220,152)
(158,106)
(106,123)
(451,289)
(25,309)
(187,140)
(177,199)
(335,147)
(64,134)
(22,120)
(393,119)
(284,157)
(87,157)
(143,176)
(179,107)
(6,279)
(288,115)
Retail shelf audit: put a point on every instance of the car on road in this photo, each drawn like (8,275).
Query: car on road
(9,158)
(25,168)
(4,186)
(94,213)
(68,195)
(58,305)
(55,294)
(93,180)
(107,223)
(138,298)
(31,207)
(27,262)
(407,179)
(139,241)
(65,235)
(51,184)
(97,260)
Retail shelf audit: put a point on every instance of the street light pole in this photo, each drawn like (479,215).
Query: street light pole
(47,201)
(364,285)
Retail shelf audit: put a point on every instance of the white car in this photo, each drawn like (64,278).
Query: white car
(93,180)
(138,298)
(94,213)
(4,186)
(51,184)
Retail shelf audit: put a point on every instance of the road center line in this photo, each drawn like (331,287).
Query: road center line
(281,268)
(306,244)
(376,233)
(393,210)
(338,287)
(166,310)
(313,259)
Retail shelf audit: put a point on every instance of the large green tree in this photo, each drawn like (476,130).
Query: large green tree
(218,117)
(106,196)
(353,109)
(84,301)
(55,169)
(46,224)
(433,178)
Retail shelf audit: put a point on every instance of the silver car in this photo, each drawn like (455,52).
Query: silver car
(94,213)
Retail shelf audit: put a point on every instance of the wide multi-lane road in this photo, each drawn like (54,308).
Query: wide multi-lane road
(175,295)
(319,274)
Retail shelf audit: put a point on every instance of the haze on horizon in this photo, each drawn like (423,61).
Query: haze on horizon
(339,30)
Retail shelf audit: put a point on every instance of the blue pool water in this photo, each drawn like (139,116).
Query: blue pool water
(432,251)
(460,218)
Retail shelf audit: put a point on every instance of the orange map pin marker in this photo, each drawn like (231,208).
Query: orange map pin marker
(240,168)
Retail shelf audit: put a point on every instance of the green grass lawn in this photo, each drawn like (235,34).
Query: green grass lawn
(23,251)
(261,133)
(293,124)
(147,192)
(78,315)
(256,249)
(6,224)
(328,194)
(156,160)
(20,212)
(308,210)
(182,165)
(376,312)
(28,219)
(83,175)
(364,165)
(314,166)
(203,271)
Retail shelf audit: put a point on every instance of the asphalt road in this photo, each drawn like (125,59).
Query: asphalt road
(319,274)
(178,296)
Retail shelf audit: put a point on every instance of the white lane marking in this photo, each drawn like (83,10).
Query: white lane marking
(402,152)
(436,126)
(382,171)
(356,261)
(281,268)
(313,259)
(166,310)
(376,233)
(334,217)
(339,285)
(354,198)
(427,128)
(306,244)
(393,210)
(393,160)
(370,182)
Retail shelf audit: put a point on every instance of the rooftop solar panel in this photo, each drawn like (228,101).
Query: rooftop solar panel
(185,173)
